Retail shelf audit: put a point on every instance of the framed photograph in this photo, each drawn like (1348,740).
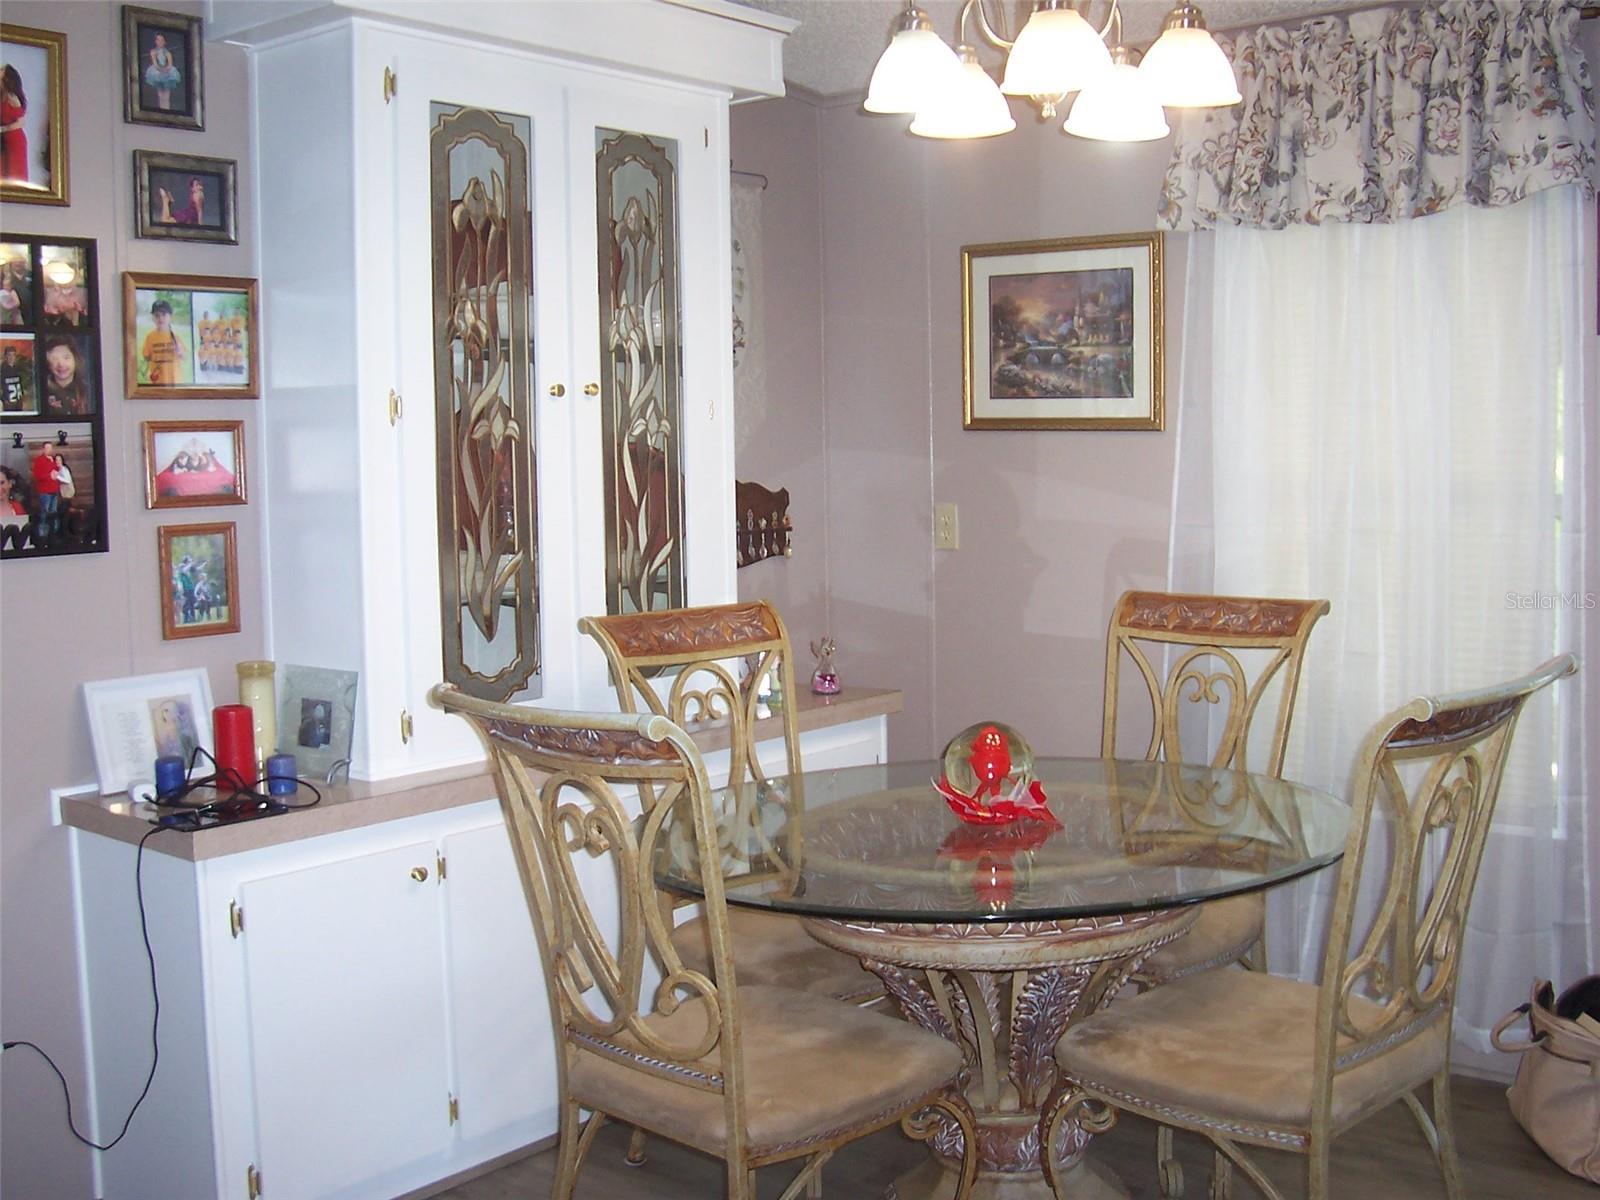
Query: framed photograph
(185,196)
(33,115)
(192,463)
(16,285)
(316,717)
(199,580)
(163,69)
(19,390)
(189,336)
(1063,334)
(134,721)
(51,482)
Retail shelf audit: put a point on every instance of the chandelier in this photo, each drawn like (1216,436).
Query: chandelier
(1058,52)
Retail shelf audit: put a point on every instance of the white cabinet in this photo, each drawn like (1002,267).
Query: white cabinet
(337,1021)
(352,1016)
(345,108)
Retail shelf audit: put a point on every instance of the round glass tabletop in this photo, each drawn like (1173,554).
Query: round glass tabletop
(880,843)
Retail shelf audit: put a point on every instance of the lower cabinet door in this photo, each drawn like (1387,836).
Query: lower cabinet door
(499,1008)
(346,1024)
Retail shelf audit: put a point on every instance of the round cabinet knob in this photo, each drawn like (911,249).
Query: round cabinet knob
(420,874)
(591,389)
(558,390)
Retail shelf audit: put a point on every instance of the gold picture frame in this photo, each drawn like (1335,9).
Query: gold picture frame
(36,65)
(1063,334)
(210,348)
(192,464)
(199,580)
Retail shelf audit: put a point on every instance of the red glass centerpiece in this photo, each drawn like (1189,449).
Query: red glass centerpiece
(988,777)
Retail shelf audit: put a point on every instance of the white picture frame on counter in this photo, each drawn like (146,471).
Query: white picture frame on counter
(134,720)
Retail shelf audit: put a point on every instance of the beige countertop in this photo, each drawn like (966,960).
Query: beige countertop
(355,805)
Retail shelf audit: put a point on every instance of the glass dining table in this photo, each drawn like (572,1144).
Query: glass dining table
(998,937)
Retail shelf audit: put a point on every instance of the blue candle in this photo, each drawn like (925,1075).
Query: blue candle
(169,776)
(281,775)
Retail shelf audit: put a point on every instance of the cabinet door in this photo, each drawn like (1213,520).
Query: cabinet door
(482,273)
(652,336)
(505,1055)
(346,1023)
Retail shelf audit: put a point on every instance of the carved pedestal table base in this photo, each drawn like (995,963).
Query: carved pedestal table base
(1005,992)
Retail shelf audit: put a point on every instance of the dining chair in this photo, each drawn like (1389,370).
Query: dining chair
(1224,651)
(1247,1058)
(699,646)
(750,1074)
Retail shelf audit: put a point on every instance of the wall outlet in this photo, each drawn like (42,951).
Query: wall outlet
(946,527)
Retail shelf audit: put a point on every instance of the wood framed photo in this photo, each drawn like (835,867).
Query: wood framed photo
(163,66)
(1063,334)
(199,580)
(132,721)
(188,464)
(33,116)
(185,196)
(189,336)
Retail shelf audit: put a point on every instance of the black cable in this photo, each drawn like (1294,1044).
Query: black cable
(155,1021)
(238,802)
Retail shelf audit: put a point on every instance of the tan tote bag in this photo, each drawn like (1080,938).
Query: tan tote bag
(1556,1095)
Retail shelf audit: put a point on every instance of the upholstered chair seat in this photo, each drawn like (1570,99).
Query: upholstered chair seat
(770,948)
(811,1065)
(1238,1043)
(1223,933)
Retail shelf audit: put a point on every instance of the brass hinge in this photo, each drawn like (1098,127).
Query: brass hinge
(235,918)
(439,867)
(391,84)
(405,725)
(252,1181)
(455,1110)
(397,406)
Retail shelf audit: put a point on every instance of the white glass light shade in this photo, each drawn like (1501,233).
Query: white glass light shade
(1056,52)
(916,65)
(1118,107)
(971,108)
(1187,69)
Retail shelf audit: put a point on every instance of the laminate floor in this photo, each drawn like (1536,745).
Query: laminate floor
(1384,1158)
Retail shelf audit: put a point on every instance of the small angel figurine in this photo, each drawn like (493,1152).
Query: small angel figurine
(824,682)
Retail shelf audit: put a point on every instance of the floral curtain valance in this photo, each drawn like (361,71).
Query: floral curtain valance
(1390,114)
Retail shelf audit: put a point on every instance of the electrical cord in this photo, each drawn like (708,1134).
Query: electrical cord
(240,802)
(155,1021)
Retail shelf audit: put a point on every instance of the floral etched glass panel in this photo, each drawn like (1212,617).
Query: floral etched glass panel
(482,355)
(641,373)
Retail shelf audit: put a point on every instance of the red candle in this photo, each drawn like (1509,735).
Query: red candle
(233,727)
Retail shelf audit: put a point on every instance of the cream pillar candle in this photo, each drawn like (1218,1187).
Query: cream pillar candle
(256,690)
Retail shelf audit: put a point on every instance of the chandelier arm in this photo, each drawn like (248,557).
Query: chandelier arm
(986,29)
(1113,14)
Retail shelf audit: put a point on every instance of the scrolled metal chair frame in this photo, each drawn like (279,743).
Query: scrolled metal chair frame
(1408,960)
(558,775)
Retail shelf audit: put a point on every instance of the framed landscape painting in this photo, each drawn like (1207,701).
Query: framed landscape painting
(1063,334)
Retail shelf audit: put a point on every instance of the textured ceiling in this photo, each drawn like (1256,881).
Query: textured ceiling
(833,51)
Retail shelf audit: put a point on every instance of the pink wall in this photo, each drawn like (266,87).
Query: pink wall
(784,444)
(65,620)
(1053,525)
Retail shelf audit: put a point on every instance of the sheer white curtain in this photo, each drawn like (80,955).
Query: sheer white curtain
(1395,417)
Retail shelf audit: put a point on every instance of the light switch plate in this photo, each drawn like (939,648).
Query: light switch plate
(946,527)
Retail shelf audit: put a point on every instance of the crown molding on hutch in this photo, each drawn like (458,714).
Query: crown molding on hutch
(712,42)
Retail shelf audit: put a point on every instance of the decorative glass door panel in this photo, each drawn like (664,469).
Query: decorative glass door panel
(641,370)
(482,356)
